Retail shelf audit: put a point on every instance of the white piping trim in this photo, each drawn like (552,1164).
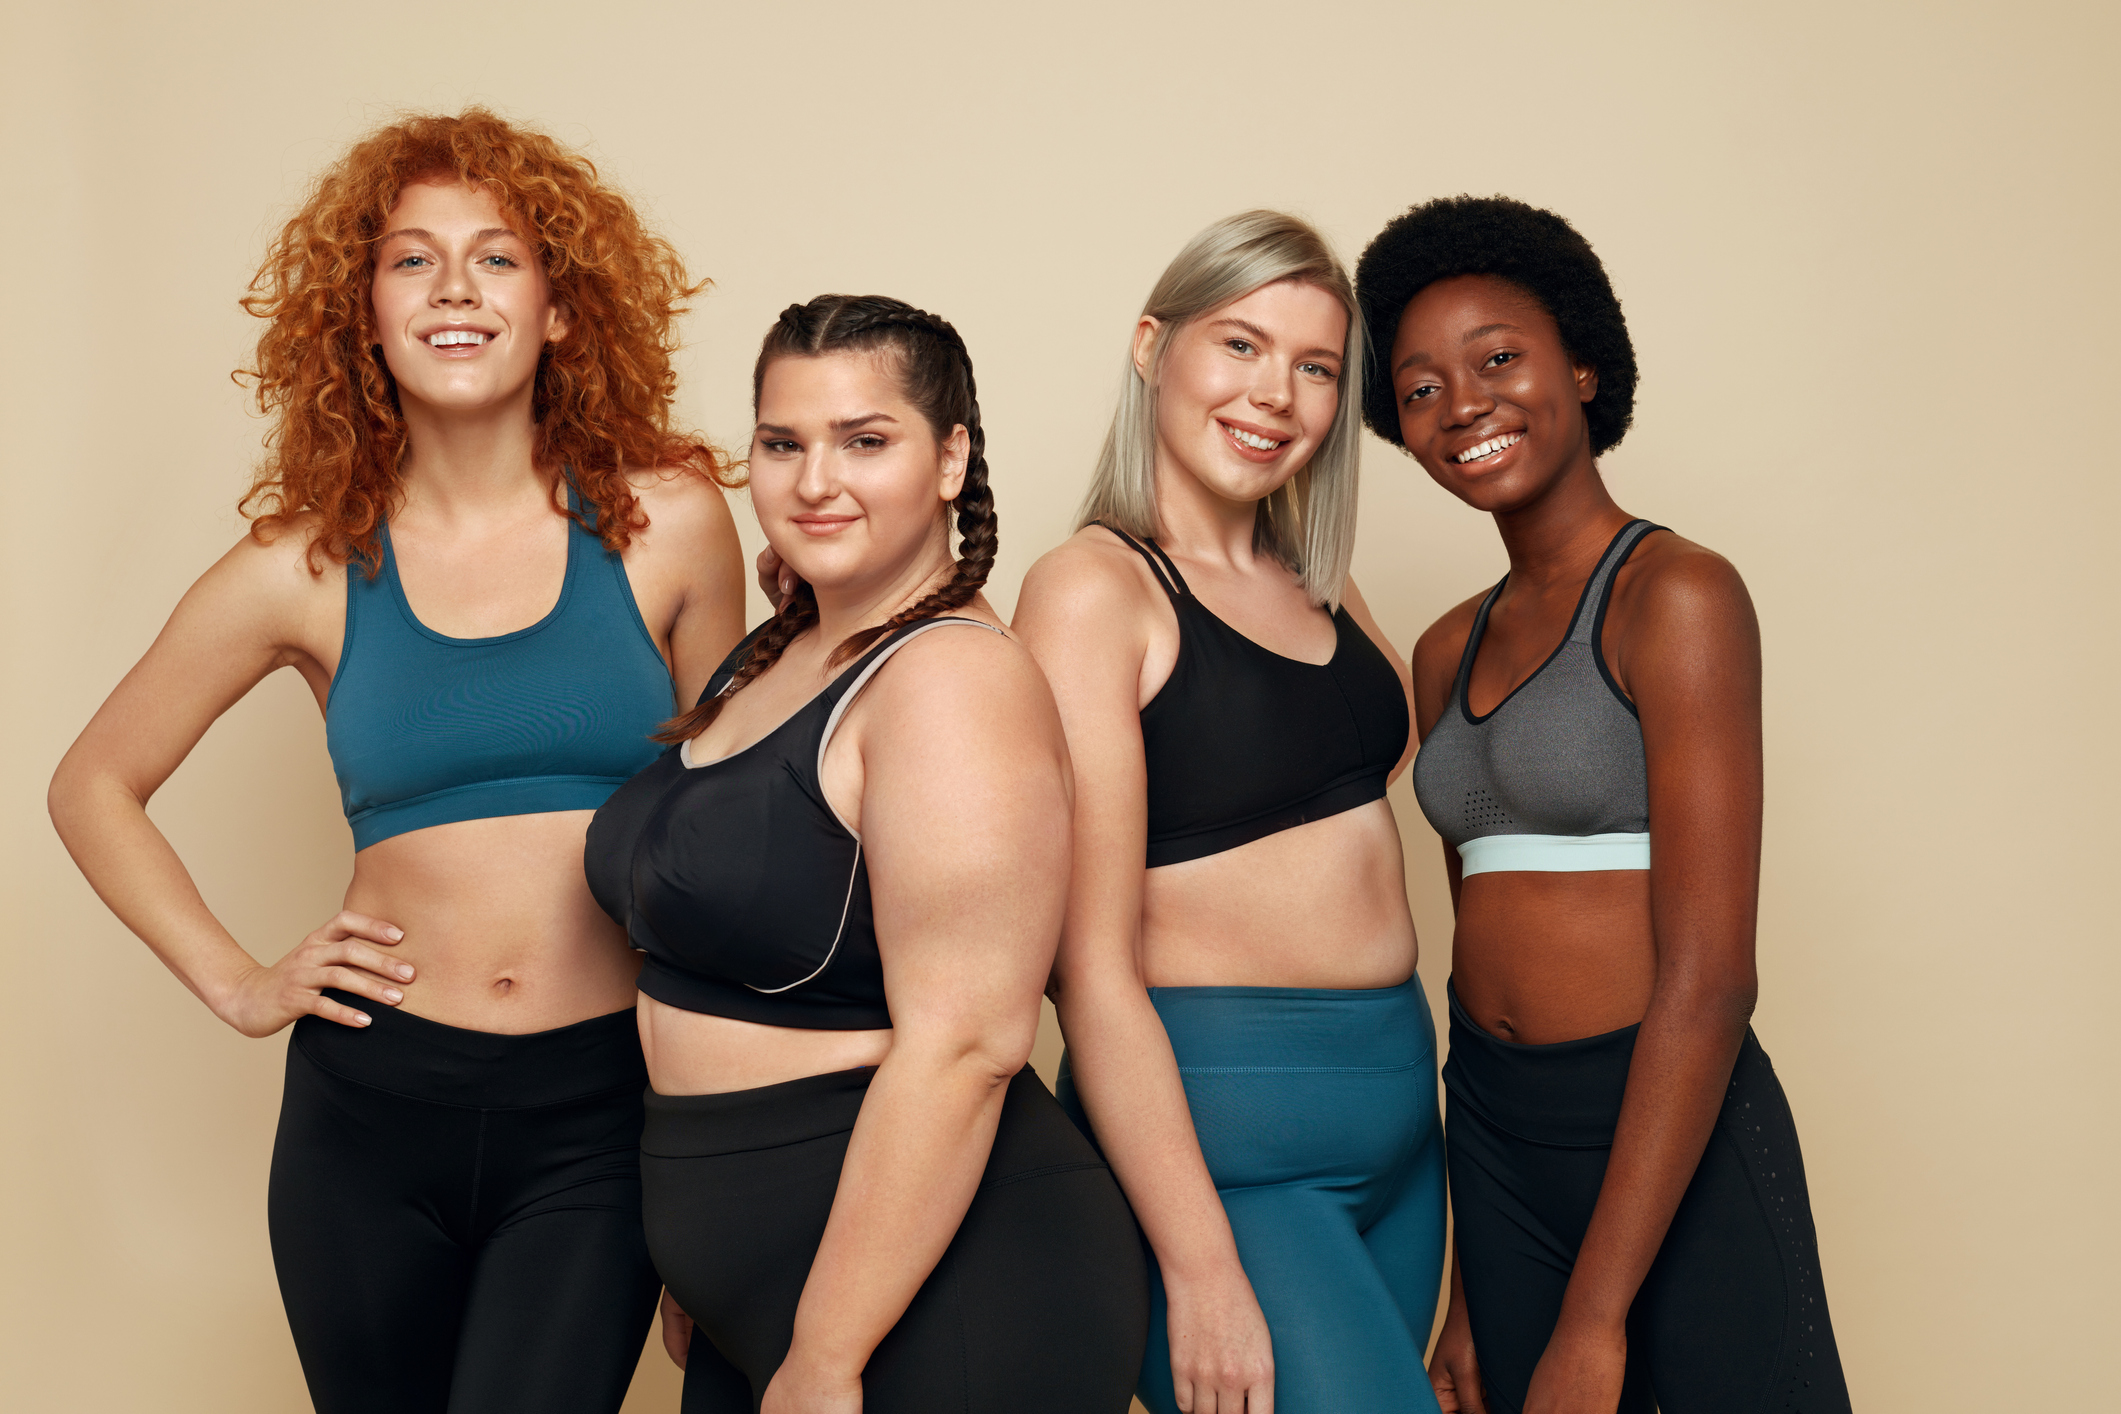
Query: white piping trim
(846,907)
(839,708)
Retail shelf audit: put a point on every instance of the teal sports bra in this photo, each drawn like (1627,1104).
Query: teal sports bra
(425,729)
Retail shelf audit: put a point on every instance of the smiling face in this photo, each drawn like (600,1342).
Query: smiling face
(1246,393)
(1490,403)
(851,484)
(462,306)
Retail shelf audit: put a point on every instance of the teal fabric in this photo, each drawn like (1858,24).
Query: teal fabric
(425,729)
(1316,1112)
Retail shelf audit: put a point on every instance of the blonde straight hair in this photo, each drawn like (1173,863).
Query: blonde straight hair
(1309,523)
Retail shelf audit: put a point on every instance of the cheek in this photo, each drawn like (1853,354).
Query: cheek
(1316,408)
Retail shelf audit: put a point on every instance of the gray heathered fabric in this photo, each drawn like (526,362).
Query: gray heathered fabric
(1562,755)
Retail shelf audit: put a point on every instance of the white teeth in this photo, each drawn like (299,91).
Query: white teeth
(1246,439)
(446,338)
(1489,448)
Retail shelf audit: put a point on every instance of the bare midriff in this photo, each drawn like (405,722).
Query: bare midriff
(1539,958)
(499,923)
(1321,905)
(692,1053)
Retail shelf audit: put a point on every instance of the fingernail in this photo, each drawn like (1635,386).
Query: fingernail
(395,933)
(405,972)
(393,995)
(359,1019)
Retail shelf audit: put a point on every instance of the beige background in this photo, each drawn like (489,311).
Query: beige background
(1867,255)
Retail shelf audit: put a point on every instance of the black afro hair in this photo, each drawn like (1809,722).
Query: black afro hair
(1533,249)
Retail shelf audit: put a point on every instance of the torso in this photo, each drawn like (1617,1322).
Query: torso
(1320,904)
(498,920)
(1544,957)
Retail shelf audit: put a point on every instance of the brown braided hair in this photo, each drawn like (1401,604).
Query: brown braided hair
(935,373)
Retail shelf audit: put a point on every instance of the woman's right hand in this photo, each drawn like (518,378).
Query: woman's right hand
(1222,1355)
(337,955)
(1454,1371)
(776,580)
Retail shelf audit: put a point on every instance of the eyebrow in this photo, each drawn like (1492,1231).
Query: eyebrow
(416,233)
(843,424)
(1422,355)
(1262,336)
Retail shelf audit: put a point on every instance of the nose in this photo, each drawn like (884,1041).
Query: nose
(1468,401)
(455,289)
(817,481)
(1274,385)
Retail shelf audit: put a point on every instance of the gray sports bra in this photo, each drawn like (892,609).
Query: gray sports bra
(1553,779)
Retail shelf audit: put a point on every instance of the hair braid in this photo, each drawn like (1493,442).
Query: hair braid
(936,371)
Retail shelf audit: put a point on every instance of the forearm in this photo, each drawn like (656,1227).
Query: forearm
(913,1164)
(1127,1076)
(1677,1077)
(133,869)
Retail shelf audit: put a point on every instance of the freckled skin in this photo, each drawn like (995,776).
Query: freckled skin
(1539,958)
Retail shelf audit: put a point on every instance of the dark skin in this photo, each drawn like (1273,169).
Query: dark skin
(1538,957)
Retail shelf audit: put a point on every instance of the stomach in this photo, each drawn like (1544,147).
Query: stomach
(1539,958)
(500,927)
(1321,905)
(692,1053)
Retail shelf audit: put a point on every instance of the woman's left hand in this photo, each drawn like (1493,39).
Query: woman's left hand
(801,1388)
(1579,1374)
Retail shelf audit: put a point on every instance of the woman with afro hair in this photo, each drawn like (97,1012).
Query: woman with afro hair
(482,543)
(1632,1229)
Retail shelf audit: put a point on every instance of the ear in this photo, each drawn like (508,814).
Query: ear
(1145,331)
(957,453)
(1586,380)
(558,322)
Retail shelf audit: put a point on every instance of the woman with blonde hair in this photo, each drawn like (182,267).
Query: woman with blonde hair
(498,566)
(1246,1033)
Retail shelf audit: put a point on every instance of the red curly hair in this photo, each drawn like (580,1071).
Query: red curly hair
(603,394)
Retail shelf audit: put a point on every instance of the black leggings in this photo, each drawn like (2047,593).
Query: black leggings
(1040,1305)
(456,1215)
(1732,1316)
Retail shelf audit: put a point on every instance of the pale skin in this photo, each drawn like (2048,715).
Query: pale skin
(1320,905)
(952,767)
(482,924)
(1540,958)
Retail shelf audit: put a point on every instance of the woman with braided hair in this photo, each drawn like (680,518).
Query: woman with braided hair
(1245,1029)
(848,876)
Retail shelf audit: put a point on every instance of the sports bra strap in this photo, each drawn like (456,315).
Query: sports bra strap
(1465,655)
(1600,588)
(1160,564)
(881,655)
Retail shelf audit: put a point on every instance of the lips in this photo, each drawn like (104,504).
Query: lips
(1484,451)
(1254,443)
(457,338)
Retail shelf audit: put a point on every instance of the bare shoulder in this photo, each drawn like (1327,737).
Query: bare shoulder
(683,507)
(1089,577)
(961,680)
(1441,643)
(1672,582)
(276,569)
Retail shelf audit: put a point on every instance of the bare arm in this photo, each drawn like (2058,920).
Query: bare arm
(255,611)
(1692,666)
(964,817)
(1085,621)
(689,562)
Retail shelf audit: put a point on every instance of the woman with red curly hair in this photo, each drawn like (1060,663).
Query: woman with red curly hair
(479,538)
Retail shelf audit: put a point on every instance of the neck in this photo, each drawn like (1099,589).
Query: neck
(471,465)
(1552,538)
(1196,521)
(843,610)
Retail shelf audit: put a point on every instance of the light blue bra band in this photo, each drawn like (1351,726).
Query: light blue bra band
(1553,854)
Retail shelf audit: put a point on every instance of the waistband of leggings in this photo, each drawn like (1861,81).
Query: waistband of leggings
(425,1060)
(1566,1094)
(739,1121)
(1297,1028)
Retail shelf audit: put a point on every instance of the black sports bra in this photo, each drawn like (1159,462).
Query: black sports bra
(1243,743)
(748,893)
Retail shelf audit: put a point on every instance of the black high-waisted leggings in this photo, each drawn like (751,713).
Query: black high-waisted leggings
(1040,1305)
(1732,1318)
(456,1215)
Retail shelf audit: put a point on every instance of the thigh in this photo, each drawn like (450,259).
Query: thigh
(1040,1303)
(1733,1314)
(365,1192)
(1406,1238)
(559,1305)
(1340,1341)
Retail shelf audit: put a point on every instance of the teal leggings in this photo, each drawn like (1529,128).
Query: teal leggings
(1316,1112)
